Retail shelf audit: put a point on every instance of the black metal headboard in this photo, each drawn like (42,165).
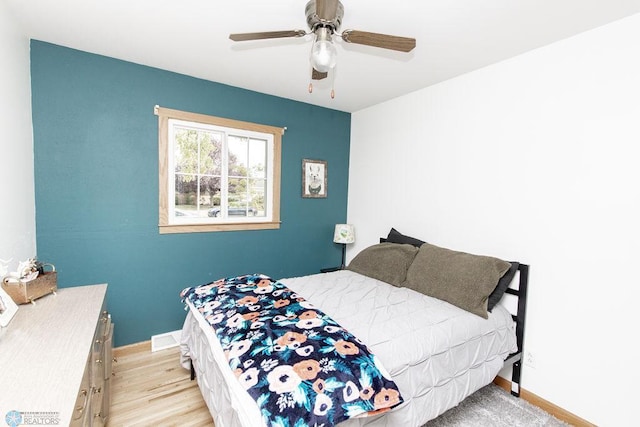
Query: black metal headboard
(516,358)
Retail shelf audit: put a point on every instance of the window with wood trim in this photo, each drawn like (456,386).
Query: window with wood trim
(217,174)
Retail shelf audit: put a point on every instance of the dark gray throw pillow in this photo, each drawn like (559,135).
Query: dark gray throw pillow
(385,261)
(462,279)
(397,237)
(503,284)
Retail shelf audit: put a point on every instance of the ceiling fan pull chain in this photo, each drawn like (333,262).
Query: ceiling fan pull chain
(312,71)
(333,81)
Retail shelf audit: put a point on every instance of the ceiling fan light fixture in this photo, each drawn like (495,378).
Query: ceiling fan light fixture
(324,18)
(323,53)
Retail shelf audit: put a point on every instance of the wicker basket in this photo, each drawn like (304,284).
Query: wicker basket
(27,292)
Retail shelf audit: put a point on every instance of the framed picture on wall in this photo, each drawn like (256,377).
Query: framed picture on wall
(314,178)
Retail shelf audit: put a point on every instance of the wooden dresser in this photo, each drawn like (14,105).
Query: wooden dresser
(55,359)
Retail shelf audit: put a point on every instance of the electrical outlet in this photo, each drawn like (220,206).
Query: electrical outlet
(529,360)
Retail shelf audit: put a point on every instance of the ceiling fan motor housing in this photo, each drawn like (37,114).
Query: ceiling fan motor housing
(324,18)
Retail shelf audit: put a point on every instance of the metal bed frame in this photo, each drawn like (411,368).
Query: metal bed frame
(516,358)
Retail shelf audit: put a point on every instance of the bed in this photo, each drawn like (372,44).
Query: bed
(436,352)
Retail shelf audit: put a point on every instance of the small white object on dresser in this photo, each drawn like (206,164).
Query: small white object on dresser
(55,360)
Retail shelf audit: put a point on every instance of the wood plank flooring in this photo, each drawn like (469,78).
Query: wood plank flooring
(153,389)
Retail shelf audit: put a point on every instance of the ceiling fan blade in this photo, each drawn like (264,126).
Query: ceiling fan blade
(241,37)
(402,44)
(318,75)
(327,10)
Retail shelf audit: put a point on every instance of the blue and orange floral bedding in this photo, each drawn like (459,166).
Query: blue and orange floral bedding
(298,364)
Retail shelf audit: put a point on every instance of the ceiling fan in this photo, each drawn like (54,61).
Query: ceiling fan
(324,18)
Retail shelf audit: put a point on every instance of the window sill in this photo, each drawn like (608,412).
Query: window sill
(200,228)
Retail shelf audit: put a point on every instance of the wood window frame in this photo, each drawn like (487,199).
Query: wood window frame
(164,226)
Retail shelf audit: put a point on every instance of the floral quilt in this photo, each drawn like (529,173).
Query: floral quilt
(298,364)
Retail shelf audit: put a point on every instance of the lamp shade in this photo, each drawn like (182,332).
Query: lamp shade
(344,233)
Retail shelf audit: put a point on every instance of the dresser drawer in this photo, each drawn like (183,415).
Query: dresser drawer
(81,410)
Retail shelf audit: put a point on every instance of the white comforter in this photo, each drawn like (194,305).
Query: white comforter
(436,353)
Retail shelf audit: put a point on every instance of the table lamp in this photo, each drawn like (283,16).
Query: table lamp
(344,234)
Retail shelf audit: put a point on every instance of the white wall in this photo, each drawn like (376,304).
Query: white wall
(17,200)
(532,159)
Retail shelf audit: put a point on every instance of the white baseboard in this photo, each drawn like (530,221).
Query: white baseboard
(166,340)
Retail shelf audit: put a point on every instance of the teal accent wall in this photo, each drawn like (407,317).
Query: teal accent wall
(96,179)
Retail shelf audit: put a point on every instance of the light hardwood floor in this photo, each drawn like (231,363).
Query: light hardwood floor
(152,389)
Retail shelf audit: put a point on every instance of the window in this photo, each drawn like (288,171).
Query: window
(217,174)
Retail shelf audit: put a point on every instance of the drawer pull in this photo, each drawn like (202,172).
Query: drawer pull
(80,409)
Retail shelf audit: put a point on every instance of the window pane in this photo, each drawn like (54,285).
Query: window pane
(240,203)
(210,194)
(257,193)
(238,152)
(237,191)
(257,158)
(186,196)
(211,153)
(186,150)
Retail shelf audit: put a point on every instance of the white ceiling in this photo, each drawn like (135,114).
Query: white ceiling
(191,37)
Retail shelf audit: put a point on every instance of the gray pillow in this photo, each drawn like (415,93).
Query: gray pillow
(385,261)
(503,284)
(462,279)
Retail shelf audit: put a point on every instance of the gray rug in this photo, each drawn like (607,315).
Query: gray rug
(492,406)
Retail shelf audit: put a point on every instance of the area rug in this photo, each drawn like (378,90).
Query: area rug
(491,406)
